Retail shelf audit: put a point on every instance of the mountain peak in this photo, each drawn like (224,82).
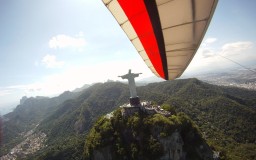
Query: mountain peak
(145,136)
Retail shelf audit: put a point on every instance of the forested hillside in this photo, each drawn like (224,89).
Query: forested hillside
(145,136)
(67,126)
(225,116)
(27,115)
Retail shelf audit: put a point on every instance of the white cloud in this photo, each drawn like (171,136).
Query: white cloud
(236,47)
(228,49)
(16,87)
(210,40)
(77,76)
(205,60)
(207,53)
(209,59)
(64,41)
(50,62)
(5,92)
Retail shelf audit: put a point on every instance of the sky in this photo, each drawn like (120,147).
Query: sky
(50,46)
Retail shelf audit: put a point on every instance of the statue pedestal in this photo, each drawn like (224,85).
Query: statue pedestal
(134,101)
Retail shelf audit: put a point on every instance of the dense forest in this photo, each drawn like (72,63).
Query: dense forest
(225,116)
(143,136)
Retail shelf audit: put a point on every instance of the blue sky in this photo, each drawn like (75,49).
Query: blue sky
(49,46)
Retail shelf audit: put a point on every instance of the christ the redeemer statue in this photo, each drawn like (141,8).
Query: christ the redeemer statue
(134,99)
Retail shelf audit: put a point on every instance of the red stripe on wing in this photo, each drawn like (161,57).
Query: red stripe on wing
(137,14)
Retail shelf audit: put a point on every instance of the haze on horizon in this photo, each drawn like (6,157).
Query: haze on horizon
(48,47)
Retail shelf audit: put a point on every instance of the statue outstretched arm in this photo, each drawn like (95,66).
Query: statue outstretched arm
(123,77)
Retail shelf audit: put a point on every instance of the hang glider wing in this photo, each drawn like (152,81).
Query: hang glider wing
(166,33)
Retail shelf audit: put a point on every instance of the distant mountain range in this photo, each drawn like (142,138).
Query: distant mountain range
(225,116)
(241,78)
